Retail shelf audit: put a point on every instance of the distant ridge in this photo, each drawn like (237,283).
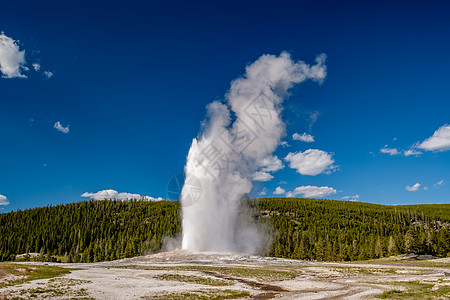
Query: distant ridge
(311,229)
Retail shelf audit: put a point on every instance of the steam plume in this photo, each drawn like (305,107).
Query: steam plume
(237,136)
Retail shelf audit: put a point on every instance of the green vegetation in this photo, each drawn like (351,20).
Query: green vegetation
(205,294)
(194,279)
(324,230)
(14,274)
(264,274)
(88,231)
(416,290)
(329,230)
(54,288)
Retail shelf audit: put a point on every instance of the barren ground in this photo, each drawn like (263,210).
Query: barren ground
(179,275)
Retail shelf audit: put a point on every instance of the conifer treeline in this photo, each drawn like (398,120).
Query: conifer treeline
(91,231)
(340,230)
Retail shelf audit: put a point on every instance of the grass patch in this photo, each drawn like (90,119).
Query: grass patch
(413,263)
(415,290)
(194,279)
(263,274)
(364,271)
(57,287)
(204,295)
(14,274)
(389,294)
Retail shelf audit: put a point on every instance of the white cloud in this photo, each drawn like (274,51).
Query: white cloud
(261,176)
(307,138)
(309,191)
(149,198)
(351,198)
(411,152)
(313,116)
(395,151)
(36,67)
(413,188)
(310,162)
(12,60)
(390,151)
(268,164)
(279,191)
(438,184)
(112,194)
(48,74)
(263,192)
(285,144)
(271,164)
(61,128)
(4,200)
(439,141)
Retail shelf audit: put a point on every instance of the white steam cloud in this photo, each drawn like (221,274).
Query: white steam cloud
(237,138)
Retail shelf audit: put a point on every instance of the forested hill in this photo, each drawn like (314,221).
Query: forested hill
(91,231)
(342,230)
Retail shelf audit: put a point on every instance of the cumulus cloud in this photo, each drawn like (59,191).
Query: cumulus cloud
(351,198)
(310,191)
(411,152)
(284,144)
(61,128)
(310,162)
(48,74)
(390,151)
(438,184)
(263,192)
(4,200)
(413,188)
(113,194)
(12,60)
(439,141)
(36,67)
(271,164)
(267,165)
(261,176)
(304,137)
(279,191)
(150,198)
(395,151)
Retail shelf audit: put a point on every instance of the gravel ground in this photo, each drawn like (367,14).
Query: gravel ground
(181,275)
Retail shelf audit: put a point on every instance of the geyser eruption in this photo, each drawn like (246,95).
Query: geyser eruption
(236,137)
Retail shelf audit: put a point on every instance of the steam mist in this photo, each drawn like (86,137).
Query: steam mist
(235,139)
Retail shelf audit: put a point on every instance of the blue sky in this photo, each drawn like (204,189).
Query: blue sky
(131,81)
